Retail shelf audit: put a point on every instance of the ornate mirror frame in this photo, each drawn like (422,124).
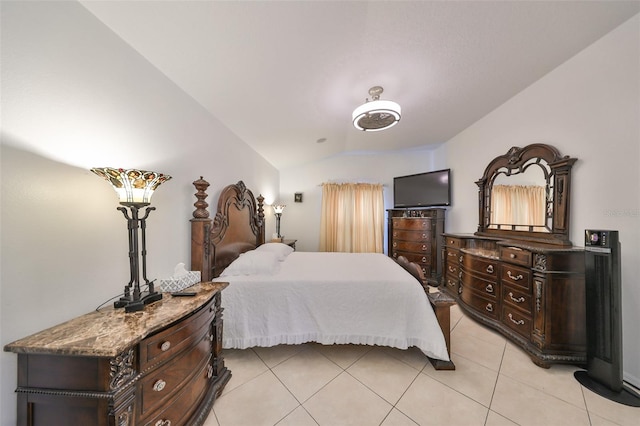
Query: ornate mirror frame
(558,176)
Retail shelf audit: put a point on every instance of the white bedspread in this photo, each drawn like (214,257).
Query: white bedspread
(331,298)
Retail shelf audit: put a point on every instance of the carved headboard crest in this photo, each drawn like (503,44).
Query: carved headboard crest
(237,226)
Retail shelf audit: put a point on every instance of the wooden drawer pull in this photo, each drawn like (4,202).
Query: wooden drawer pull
(165,346)
(489,307)
(424,247)
(489,288)
(515,277)
(518,300)
(513,256)
(519,322)
(424,259)
(163,423)
(159,385)
(424,235)
(490,269)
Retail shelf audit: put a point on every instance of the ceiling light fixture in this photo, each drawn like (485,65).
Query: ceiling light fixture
(374,114)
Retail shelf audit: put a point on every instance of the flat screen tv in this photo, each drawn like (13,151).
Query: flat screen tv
(428,189)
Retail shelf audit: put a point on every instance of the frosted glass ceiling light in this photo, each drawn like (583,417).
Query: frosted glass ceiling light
(374,114)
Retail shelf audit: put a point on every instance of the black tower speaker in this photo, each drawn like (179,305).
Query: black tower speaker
(604,320)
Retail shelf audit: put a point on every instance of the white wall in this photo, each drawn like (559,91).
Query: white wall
(301,221)
(75,96)
(588,108)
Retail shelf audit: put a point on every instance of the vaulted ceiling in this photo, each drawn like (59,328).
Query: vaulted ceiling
(284,74)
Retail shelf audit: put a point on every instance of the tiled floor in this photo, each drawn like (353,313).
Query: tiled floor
(495,383)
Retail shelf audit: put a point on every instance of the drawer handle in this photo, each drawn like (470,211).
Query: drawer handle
(424,247)
(513,256)
(460,260)
(395,244)
(519,322)
(395,234)
(460,289)
(489,307)
(424,235)
(165,346)
(452,269)
(451,283)
(490,269)
(159,385)
(515,277)
(451,242)
(209,371)
(451,254)
(163,423)
(424,259)
(489,288)
(518,300)
(395,254)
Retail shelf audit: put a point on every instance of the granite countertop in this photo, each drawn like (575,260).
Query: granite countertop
(108,332)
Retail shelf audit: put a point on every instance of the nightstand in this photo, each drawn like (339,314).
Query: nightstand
(291,243)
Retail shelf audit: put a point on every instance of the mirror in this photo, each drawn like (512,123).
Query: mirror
(524,194)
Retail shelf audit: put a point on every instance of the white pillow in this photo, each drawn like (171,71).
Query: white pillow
(282,250)
(252,263)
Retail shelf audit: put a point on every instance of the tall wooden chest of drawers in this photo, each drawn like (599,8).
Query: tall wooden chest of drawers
(415,234)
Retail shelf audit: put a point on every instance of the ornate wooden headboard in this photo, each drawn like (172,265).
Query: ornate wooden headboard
(238,226)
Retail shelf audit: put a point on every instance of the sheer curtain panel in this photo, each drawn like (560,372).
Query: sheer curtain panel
(352,218)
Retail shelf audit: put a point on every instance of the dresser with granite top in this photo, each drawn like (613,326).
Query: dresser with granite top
(160,366)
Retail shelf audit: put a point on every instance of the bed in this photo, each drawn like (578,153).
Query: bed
(280,296)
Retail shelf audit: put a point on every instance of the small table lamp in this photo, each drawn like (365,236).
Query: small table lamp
(277,210)
(134,189)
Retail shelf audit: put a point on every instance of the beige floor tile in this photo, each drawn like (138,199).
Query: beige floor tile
(470,326)
(412,356)
(429,402)
(244,364)
(469,378)
(263,401)
(396,418)
(306,373)
(346,401)
(610,410)
(299,417)
(599,421)
(495,419)
(211,420)
(557,380)
(526,405)
(385,375)
(274,355)
(343,355)
(471,346)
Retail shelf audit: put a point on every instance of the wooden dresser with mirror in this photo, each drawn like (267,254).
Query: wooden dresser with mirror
(519,273)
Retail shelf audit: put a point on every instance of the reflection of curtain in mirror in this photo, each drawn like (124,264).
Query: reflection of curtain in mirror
(352,218)
(518,205)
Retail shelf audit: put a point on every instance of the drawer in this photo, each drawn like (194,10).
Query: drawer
(452,270)
(400,234)
(162,346)
(515,255)
(178,410)
(409,223)
(517,321)
(516,297)
(453,242)
(480,285)
(159,386)
(421,259)
(452,255)
(416,247)
(480,265)
(451,284)
(514,275)
(486,307)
